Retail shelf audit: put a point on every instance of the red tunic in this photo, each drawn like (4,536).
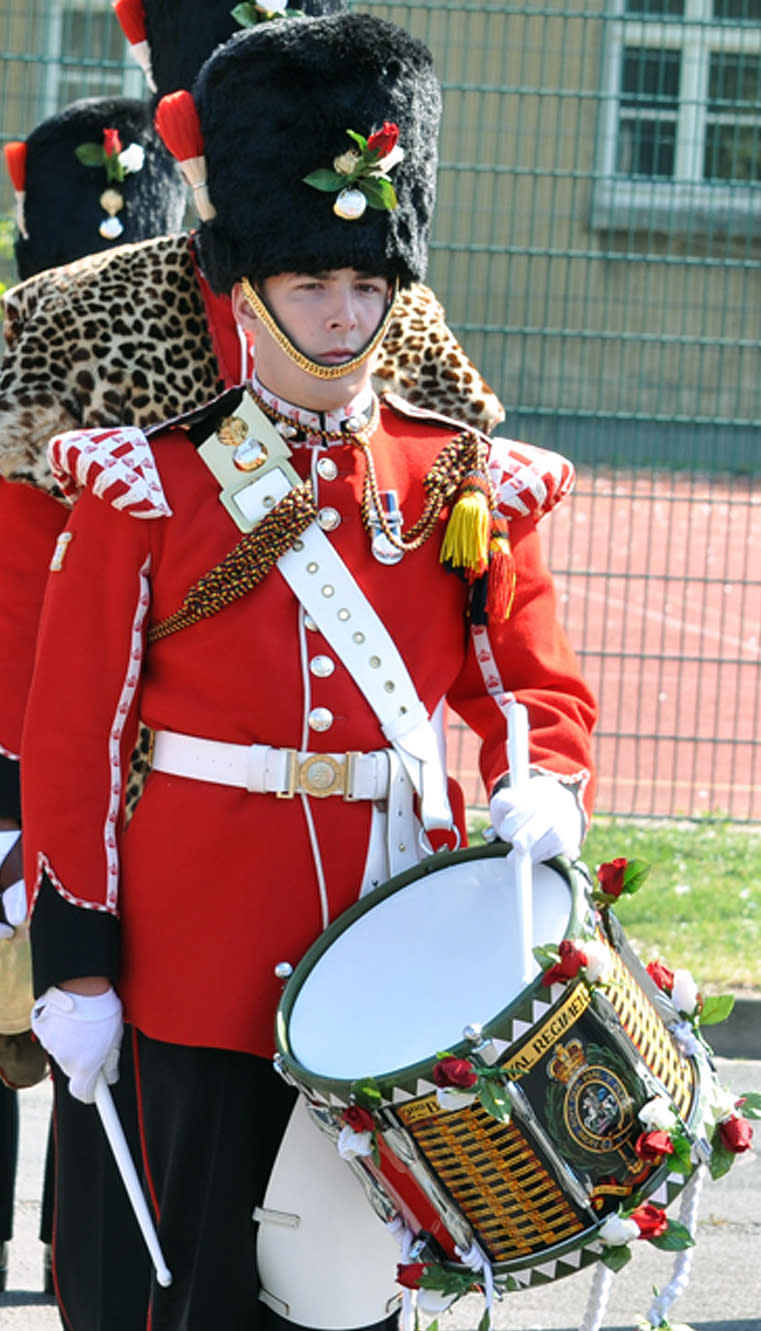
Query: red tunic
(214,886)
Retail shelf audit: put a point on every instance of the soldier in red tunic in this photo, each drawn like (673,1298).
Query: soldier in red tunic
(290,648)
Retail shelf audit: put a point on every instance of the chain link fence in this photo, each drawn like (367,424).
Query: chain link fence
(597,246)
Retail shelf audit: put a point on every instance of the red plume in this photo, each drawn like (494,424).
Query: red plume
(131,19)
(15,161)
(178,124)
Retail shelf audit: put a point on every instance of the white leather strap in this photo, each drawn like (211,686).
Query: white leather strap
(265,770)
(323,584)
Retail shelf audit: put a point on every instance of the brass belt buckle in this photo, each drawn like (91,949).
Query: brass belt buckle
(319,775)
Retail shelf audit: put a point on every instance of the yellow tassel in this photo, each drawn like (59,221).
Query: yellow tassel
(466,539)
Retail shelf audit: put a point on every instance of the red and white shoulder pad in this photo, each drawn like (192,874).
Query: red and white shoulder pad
(116,464)
(529,481)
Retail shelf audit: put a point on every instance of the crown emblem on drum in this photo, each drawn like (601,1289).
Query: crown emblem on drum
(568,1061)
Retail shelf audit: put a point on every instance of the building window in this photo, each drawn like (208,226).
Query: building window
(680,138)
(86,55)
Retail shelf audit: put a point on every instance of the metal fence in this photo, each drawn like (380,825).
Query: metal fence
(597,246)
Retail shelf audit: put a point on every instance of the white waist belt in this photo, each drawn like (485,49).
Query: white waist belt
(264,770)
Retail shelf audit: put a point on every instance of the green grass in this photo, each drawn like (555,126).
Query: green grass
(700,907)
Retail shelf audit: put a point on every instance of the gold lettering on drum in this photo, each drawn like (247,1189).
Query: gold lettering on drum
(561,1021)
(417,1111)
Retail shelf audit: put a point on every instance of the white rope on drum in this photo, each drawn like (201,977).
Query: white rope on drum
(688,1214)
(597,1300)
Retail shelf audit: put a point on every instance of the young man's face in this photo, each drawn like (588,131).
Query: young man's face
(329,317)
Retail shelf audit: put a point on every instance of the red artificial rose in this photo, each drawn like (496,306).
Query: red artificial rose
(650,1220)
(610,876)
(358,1119)
(410,1274)
(661,975)
(736,1134)
(455,1072)
(571,961)
(112,144)
(384,140)
(653,1145)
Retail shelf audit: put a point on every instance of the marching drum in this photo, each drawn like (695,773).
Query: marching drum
(429,964)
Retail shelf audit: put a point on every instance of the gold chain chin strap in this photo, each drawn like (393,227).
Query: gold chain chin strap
(303,362)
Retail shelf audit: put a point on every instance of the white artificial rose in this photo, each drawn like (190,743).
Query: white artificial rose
(723,1104)
(431,1302)
(132,157)
(599,961)
(391,159)
(657,1115)
(352,1143)
(684,992)
(615,1231)
(451,1097)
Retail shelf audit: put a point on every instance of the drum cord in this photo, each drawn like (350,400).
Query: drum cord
(688,1214)
(597,1301)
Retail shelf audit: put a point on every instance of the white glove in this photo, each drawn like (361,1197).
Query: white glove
(13,898)
(14,907)
(83,1033)
(541,818)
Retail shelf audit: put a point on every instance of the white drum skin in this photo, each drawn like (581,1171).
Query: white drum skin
(405,978)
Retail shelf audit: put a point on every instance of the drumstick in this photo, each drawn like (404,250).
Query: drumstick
(519,862)
(118,1143)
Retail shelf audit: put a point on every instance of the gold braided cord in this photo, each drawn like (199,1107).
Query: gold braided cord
(246,565)
(298,358)
(460,456)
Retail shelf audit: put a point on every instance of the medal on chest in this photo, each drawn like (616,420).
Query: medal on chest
(382,548)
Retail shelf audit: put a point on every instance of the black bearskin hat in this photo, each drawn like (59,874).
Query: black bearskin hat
(179,38)
(71,209)
(275,105)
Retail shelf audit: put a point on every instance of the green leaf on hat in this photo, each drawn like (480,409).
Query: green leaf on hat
(91,154)
(380,194)
(326,180)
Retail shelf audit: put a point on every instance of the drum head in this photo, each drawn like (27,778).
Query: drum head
(417,965)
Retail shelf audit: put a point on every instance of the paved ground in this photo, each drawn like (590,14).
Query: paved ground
(724,1293)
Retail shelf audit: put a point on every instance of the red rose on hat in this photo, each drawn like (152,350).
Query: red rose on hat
(112,144)
(384,140)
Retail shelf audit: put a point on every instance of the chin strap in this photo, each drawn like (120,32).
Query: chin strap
(298,358)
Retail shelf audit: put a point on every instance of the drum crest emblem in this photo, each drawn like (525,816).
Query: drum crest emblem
(591,1108)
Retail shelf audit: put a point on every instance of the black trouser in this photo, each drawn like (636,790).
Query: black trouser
(8,1157)
(211,1122)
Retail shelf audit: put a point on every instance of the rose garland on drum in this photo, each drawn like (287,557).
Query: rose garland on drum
(665,1135)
